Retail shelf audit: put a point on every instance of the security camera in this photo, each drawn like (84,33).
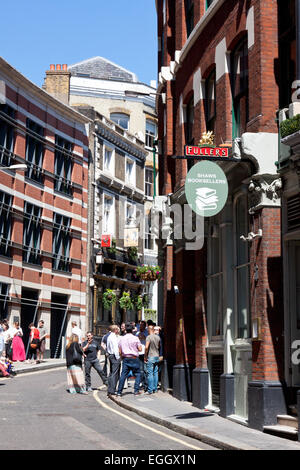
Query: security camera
(176,289)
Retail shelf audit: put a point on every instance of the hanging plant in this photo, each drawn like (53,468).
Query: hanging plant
(148,273)
(125,301)
(113,248)
(132,253)
(109,298)
(138,302)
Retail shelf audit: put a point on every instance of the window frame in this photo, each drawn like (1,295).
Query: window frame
(119,117)
(112,220)
(5,223)
(7,133)
(63,166)
(62,239)
(150,137)
(131,181)
(238,126)
(34,135)
(32,233)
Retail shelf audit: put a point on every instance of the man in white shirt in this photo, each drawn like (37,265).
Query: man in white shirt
(77,331)
(112,348)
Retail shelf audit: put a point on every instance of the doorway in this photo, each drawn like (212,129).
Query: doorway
(29,313)
(294,309)
(59,309)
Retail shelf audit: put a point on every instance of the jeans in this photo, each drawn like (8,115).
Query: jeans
(130,364)
(143,372)
(96,365)
(113,377)
(152,373)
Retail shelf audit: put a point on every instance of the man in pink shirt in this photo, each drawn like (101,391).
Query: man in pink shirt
(130,346)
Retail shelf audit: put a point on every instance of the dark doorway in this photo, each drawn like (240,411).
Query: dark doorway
(29,312)
(59,307)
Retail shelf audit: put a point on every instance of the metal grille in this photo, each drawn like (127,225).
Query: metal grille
(217,366)
(293,212)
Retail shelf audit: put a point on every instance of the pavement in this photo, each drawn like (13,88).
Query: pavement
(183,418)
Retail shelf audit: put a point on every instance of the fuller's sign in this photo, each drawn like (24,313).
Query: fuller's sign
(209,151)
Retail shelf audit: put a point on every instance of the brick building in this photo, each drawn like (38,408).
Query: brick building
(43,210)
(224,341)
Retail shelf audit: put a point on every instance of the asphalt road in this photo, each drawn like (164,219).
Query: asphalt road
(37,413)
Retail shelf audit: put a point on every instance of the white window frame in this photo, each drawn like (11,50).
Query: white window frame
(131,181)
(153,136)
(132,223)
(111,168)
(111,226)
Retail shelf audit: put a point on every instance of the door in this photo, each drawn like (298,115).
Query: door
(29,312)
(293,267)
(59,308)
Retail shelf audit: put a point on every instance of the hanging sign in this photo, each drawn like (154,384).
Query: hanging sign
(209,151)
(106,241)
(206,188)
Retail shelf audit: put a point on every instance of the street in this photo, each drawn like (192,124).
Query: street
(37,413)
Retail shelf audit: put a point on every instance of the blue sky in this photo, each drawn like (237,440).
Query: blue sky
(37,33)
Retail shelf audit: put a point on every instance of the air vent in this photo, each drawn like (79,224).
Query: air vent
(217,367)
(293,212)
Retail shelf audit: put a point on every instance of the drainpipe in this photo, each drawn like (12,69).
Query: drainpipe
(297,39)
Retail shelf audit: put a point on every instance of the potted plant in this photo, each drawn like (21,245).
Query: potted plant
(132,253)
(112,250)
(148,273)
(138,302)
(125,301)
(109,298)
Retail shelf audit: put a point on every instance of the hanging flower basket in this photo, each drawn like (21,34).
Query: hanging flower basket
(148,273)
(125,301)
(109,298)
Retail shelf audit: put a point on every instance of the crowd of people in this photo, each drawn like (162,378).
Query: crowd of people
(130,351)
(12,348)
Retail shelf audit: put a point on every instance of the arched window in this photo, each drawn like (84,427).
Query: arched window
(121,119)
(239,85)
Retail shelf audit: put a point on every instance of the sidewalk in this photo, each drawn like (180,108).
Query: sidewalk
(207,427)
(23,367)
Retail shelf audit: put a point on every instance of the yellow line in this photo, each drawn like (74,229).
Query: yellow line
(149,428)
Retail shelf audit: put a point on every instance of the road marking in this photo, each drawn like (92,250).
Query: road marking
(26,374)
(90,435)
(149,428)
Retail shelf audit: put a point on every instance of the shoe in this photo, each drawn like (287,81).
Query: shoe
(138,393)
(149,393)
(112,394)
(119,395)
(89,389)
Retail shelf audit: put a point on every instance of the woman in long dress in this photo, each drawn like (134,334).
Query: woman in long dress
(74,354)
(18,348)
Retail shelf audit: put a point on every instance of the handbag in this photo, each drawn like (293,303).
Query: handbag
(77,357)
(34,344)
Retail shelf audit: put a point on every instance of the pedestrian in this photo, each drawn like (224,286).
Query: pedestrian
(114,359)
(7,340)
(74,355)
(18,349)
(90,348)
(130,347)
(142,335)
(77,331)
(2,346)
(104,347)
(123,329)
(34,339)
(4,367)
(42,343)
(152,359)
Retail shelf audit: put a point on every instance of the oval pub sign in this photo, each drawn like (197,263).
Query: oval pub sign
(206,188)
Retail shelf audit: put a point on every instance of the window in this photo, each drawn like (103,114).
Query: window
(287,50)
(34,150)
(130,216)
(189,122)
(63,165)
(3,300)
(148,182)
(210,101)
(215,278)
(149,242)
(150,133)
(108,160)
(31,234)
(242,268)
(121,119)
(108,215)
(6,134)
(61,243)
(130,171)
(239,83)
(5,223)
(189,16)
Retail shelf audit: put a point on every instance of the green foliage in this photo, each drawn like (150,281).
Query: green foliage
(289,126)
(113,248)
(132,253)
(109,298)
(150,314)
(148,273)
(138,302)
(125,301)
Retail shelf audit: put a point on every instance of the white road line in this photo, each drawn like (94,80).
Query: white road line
(145,426)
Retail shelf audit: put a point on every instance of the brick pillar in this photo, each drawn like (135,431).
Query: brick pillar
(57,83)
(266,396)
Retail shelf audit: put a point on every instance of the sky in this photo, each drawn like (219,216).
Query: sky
(37,33)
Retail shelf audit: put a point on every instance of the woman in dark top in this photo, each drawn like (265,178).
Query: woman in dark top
(74,353)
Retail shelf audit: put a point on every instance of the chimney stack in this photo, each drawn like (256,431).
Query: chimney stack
(57,82)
